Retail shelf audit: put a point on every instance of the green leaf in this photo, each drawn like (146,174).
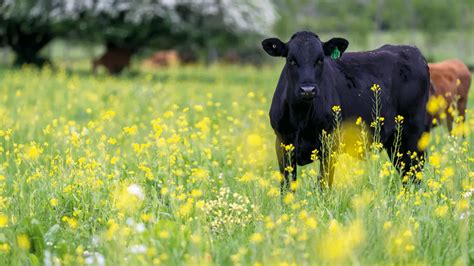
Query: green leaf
(33,259)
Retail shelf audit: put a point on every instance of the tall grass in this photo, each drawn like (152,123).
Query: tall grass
(178,167)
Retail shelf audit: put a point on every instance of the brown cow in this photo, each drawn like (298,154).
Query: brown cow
(450,79)
(162,59)
(115,59)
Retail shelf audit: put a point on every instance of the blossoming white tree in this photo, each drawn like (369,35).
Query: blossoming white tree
(126,25)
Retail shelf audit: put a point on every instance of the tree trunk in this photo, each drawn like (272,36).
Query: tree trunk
(27,45)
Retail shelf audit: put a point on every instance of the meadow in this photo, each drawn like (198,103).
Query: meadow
(177,167)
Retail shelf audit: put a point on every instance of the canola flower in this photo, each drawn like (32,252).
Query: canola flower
(424,141)
(375,88)
(436,104)
(336,108)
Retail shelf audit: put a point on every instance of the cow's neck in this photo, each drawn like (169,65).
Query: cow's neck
(301,111)
(309,116)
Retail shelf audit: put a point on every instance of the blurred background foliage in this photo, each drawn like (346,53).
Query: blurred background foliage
(41,31)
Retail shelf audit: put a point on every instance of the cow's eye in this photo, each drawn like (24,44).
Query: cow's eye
(293,62)
(319,61)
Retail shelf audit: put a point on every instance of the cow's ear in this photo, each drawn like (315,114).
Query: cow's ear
(274,47)
(335,47)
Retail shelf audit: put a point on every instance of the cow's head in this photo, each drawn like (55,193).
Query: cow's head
(306,56)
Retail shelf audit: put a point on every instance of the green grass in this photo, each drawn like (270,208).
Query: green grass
(178,167)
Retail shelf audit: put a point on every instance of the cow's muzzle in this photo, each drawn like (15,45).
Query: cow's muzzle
(307,92)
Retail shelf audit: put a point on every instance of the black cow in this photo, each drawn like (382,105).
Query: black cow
(314,80)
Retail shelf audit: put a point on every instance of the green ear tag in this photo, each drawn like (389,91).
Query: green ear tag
(335,53)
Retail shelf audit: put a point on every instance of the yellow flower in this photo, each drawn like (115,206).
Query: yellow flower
(387,225)
(129,198)
(70,221)
(53,202)
(463,205)
(409,248)
(273,192)
(288,147)
(185,209)
(314,155)
(23,241)
(441,211)
(277,176)
(168,114)
(399,119)
(112,230)
(112,141)
(200,204)
(203,125)
(311,223)
(435,160)
(407,233)
(200,174)
(196,193)
(292,230)
(289,198)
(336,109)
(33,152)
(254,140)
(164,234)
(375,88)
(4,248)
(269,224)
(108,115)
(303,215)
(198,108)
(424,141)
(339,242)
(247,177)
(131,130)
(361,201)
(3,220)
(436,104)
(146,217)
(294,185)
(447,173)
(460,129)
(195,238)
(256,238)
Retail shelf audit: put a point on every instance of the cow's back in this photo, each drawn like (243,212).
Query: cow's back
(400,70)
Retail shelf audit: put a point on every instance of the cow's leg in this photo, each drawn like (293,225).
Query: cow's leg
(449,122)
(462,104)
(461,107)
(287,165)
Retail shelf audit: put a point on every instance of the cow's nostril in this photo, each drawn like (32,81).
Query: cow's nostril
(307,89)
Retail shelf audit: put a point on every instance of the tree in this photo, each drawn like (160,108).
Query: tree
(126,26)
(213,26)
(345,16)
(27,26)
